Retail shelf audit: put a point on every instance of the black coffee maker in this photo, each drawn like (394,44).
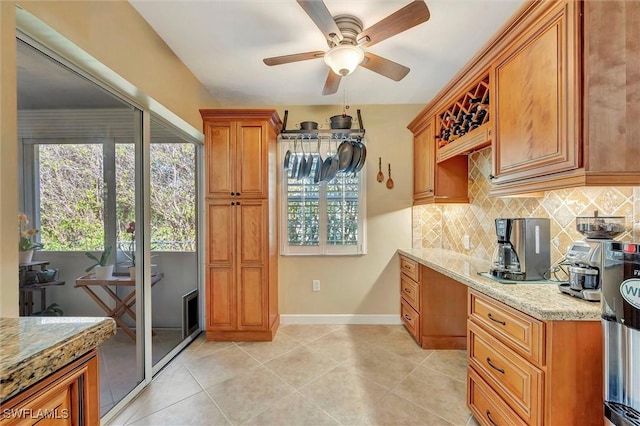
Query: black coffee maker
(523,249)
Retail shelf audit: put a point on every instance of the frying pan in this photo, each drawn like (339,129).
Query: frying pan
(317,176)
(344,154)
(363,157)
(355,158)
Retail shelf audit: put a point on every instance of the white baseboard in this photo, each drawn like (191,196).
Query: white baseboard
(286,319)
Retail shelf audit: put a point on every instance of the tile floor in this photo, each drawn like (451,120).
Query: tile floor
(118,363)
(309,375)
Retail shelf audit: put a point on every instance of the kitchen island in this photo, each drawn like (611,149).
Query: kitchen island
(534,354)
(49,367)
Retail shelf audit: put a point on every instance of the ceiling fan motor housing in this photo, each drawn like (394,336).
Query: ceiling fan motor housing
(350,27)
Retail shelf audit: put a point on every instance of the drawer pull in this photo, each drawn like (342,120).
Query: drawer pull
(495,320)
(407,290)
(407,317)
(407,267)
(488,413)
(494,367)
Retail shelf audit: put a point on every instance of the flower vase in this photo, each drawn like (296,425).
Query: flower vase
(25,256)
(103,272)
(132,272)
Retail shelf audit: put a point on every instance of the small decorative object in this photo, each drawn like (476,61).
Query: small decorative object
(46,275)
(26,245)
(102,270)
(389,181)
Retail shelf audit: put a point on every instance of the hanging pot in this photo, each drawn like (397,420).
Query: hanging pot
(341,121)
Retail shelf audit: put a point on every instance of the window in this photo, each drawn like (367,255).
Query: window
(325,218)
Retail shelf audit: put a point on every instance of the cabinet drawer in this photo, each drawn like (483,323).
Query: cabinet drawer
(518,331)
(486,406)
(410,318)
(411,268)
(410,290)
(517,381)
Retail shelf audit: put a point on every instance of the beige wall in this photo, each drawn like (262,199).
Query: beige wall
(444,226)
(111,41)
(8,164)
(365,284)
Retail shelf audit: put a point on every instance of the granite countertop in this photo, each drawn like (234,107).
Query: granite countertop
(34,347)
(541,301)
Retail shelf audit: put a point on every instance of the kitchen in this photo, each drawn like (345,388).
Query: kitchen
(367,281)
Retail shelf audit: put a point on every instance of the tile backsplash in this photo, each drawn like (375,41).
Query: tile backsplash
(443,226)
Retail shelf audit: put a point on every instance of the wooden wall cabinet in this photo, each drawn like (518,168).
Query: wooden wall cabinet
(241,255)
(537,85)
(432,306)
(436,182)
(525,371)
(70,396)
(566,98)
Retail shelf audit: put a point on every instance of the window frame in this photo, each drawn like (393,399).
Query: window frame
(323,248)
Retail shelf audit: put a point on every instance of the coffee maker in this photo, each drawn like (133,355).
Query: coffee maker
(522,253)
(585,257)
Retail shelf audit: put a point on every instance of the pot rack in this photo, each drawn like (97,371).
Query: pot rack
(313,134)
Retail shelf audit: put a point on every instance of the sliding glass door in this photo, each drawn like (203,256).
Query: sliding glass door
(106,185)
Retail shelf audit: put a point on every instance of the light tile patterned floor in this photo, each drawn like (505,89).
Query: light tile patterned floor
(309,375)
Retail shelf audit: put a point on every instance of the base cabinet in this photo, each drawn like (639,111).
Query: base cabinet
(525,371)
(432,306)
(70,396)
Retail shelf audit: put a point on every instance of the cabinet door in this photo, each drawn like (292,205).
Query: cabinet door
(536,100)
(423,162)
(252,159)
(252,243)
(69,396)
(220,158)
(221,294)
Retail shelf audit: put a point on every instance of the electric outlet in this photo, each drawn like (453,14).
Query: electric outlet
(316,285)
(466,242)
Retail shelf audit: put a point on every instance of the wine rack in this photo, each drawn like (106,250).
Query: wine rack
(464,125)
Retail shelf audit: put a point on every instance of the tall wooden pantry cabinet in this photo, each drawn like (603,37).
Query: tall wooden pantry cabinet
(241,287)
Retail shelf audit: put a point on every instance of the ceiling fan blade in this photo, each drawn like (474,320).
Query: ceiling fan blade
(320,15)
(386,67)
(278,60)
(401,20)
(332,83)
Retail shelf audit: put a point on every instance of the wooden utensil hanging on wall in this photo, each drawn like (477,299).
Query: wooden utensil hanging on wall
(389,181)
(380,176)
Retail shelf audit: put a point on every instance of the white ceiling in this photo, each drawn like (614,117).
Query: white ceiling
(223,43)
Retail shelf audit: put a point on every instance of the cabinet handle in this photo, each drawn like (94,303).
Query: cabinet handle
(407,317)
(494,367)
(237,203)
(491,177)
(237,193)
(495,320)
(429,190)
(233,203)
(488,413)
(407,267)
(407,290)
(233,193)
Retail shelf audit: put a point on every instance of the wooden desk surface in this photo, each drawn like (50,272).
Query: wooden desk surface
(116,279)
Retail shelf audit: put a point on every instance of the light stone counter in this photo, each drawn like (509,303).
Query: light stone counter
(542,301)
(31,348)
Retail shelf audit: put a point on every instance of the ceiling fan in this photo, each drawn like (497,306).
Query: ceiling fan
(346,40)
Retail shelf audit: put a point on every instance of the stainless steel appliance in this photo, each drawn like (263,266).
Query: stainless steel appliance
(522,252)
(621,325)
(585,257)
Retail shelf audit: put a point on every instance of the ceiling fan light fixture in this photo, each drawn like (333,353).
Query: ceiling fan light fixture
(344,59)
